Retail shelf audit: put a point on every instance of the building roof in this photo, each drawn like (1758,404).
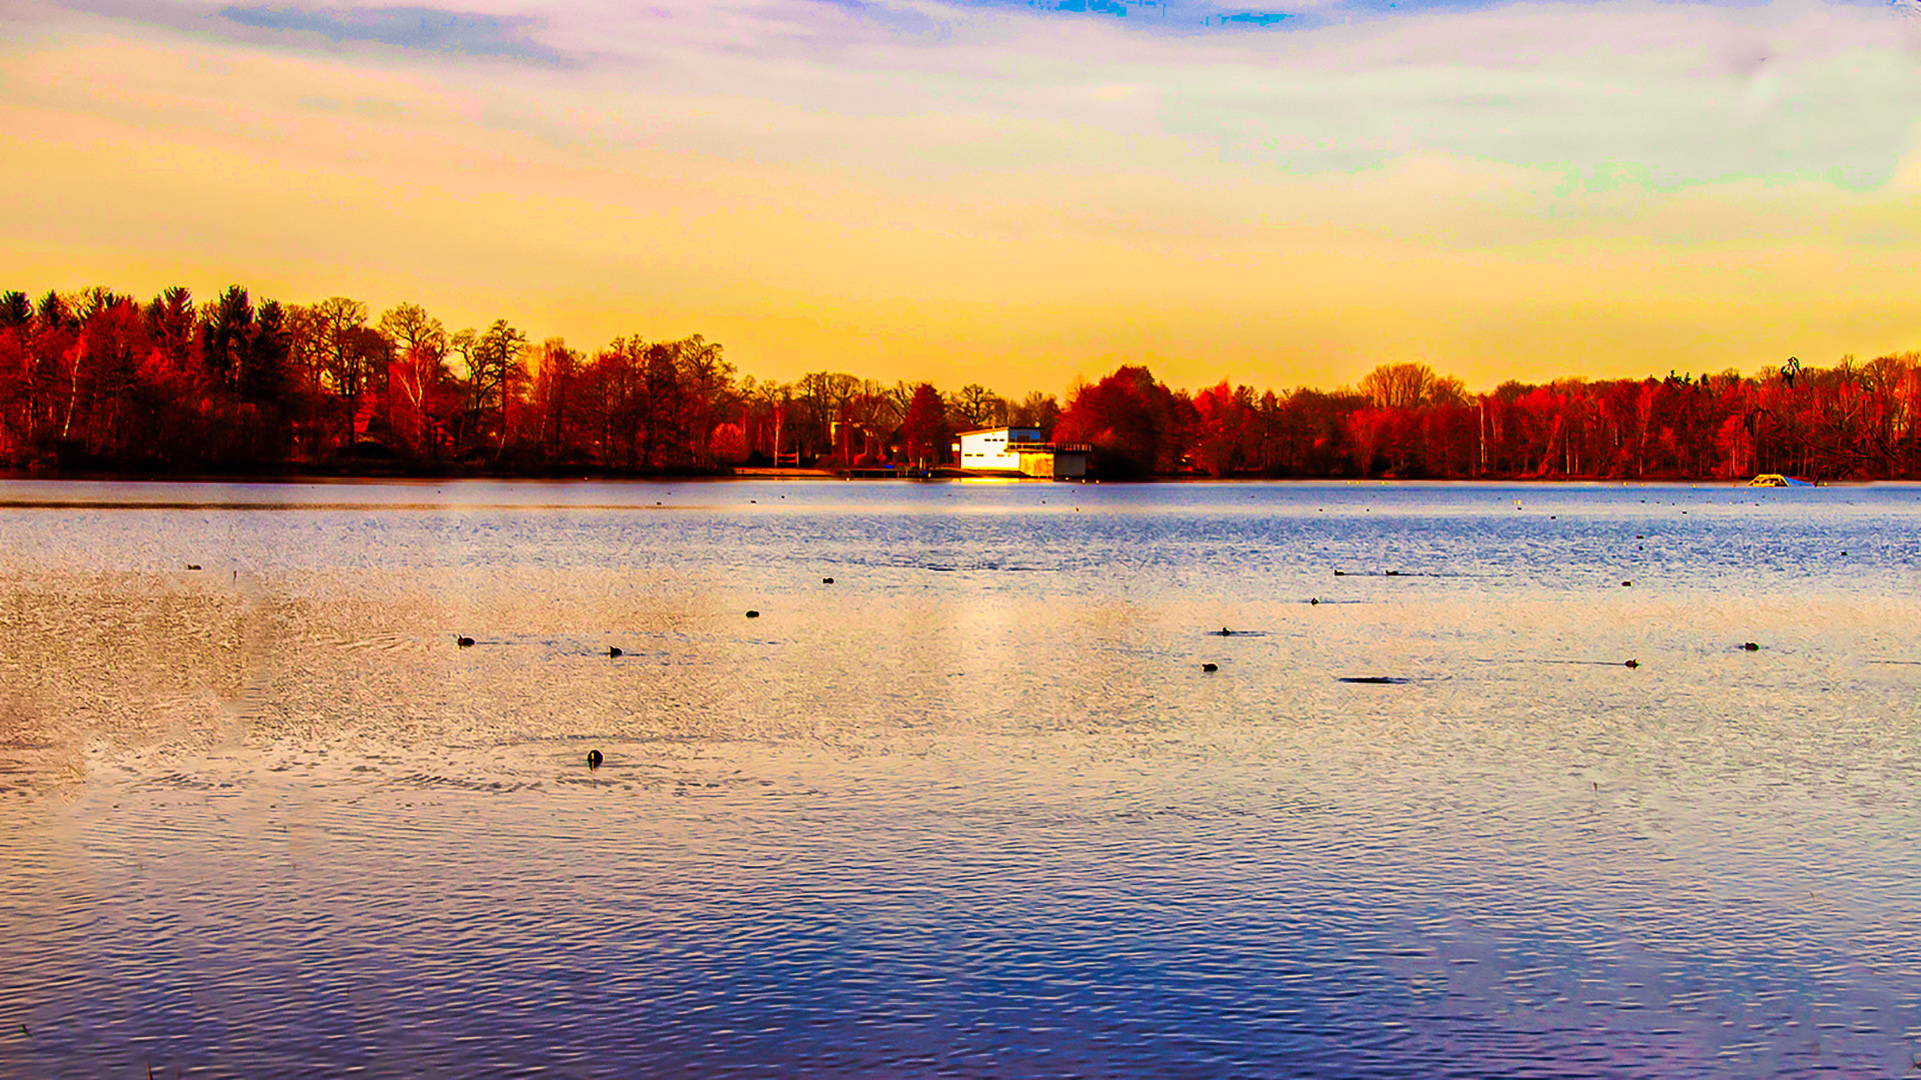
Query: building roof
(1003,427)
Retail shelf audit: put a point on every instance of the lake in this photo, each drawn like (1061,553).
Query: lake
(975,808)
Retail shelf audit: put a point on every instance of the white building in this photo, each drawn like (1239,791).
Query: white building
(1012,451)
(992,449)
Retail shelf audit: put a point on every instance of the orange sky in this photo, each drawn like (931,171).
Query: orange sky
(993,192)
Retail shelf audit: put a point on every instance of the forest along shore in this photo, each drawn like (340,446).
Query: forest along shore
(99,384)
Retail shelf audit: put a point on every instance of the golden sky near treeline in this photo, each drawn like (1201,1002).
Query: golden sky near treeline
(1001,192)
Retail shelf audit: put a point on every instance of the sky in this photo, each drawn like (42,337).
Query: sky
(1015,193)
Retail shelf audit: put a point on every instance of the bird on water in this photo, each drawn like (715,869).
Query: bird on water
(463,642)
(593,759)
(1210,667)
(613,651)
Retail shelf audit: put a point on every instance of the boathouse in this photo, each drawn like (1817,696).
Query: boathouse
(994,449)
(1018,451)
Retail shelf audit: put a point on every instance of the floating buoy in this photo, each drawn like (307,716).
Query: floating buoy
(753,614)
(1632,663)
(593,759)
(1751,646)
(613,651)
(1210,667)
(463,642)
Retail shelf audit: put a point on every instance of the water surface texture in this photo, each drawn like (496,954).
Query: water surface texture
(973,809)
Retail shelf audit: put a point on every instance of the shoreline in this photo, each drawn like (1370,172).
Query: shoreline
(796,475)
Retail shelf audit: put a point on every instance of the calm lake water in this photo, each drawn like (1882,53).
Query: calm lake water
(975,808)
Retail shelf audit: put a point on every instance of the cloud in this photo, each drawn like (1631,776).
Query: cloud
(421,29)
(1655,95)
(1644,95)
(1191,16)
(1683,95)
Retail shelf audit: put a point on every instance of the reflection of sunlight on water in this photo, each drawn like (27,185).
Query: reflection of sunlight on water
(974,807)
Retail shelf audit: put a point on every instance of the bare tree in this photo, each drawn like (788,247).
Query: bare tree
(979,406)
(1399,386)
(1036,410)
(494,361)
(419,371)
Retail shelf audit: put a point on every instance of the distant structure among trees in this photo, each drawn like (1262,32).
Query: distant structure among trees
(98,382)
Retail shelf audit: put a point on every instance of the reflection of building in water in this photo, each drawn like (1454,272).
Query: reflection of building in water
(1018,451)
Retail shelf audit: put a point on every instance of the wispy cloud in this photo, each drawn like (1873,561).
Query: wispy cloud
(424,29)
(1659,95)
(418,29)
(1674,93)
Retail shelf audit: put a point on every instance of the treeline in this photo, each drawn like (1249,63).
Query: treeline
(1849,421)
(105,383)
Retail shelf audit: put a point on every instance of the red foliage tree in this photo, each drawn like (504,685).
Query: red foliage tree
(1138,426)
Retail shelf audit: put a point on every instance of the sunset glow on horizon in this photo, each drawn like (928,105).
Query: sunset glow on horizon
(1000,192)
